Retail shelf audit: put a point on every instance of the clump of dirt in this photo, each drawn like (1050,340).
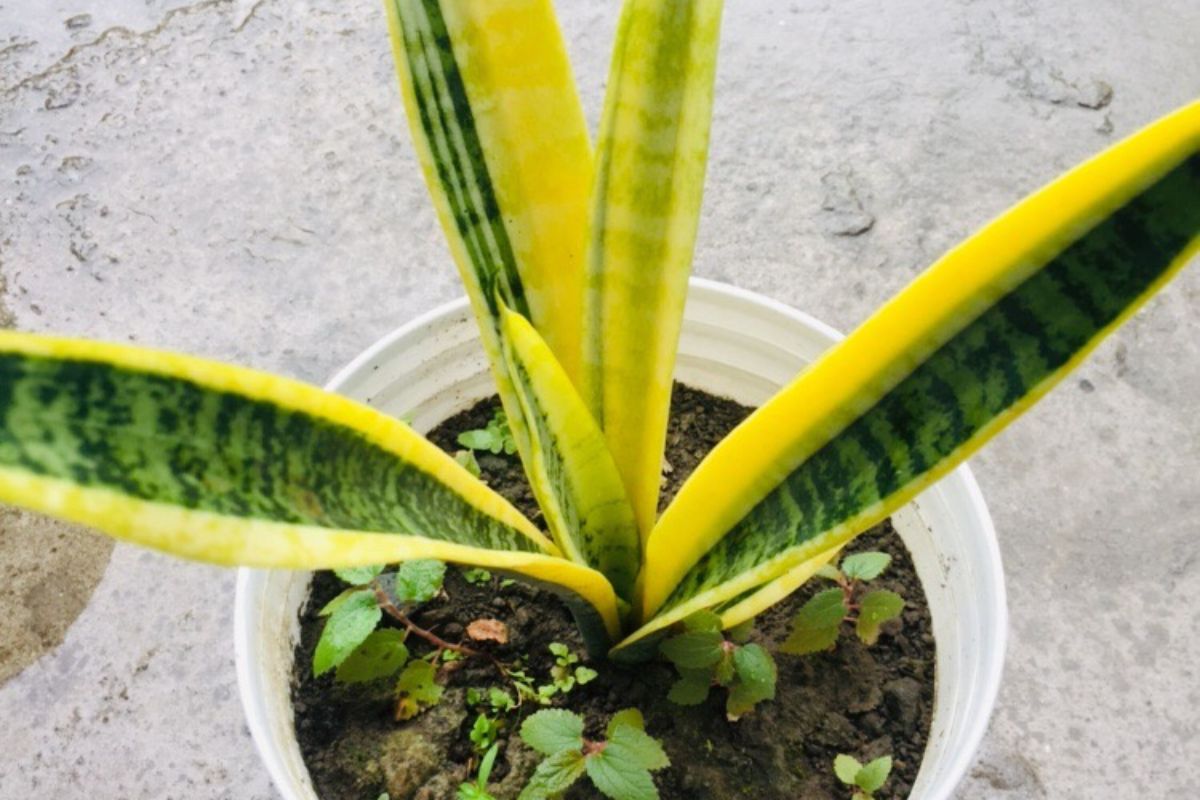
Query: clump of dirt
(862,701)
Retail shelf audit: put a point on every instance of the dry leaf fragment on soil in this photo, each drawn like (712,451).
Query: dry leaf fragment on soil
(488,630)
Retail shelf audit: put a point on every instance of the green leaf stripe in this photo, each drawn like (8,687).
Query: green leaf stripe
(168,440)
(996,360)
(457,152)
(445,116)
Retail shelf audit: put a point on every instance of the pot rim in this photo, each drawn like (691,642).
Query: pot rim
(986,680)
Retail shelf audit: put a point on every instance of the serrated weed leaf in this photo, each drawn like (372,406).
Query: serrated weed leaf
(620,779)
(756,675)
(874,775)
(865,566)
(417,689)
(585,675)
(631,744)
(694,649)
(756,670)
(381,655)
(692,689)
(554,775)
(630,717)
(816,625)
(552,731)
(874,609)
(703,620)
(740,633)
(804,641)
(418,581)
(724,671)
(350,623)
(823,609)
(847,768)
(359,576)
(333,604)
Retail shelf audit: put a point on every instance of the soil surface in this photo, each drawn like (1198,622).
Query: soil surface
(866,702)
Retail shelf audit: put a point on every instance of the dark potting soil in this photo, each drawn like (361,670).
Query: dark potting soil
(865,702)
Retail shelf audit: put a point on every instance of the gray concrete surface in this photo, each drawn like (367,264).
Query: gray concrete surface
(234,179)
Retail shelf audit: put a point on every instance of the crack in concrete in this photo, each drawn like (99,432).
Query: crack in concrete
(65,62)
(250,15)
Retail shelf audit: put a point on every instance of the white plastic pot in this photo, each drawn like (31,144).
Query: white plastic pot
(735,344)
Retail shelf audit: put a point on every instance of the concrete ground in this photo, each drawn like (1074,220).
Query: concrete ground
(234,179)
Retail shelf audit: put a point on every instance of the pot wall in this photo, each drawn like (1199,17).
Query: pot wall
(736,344)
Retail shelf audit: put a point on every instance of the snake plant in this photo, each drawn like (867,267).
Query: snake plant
(576,264)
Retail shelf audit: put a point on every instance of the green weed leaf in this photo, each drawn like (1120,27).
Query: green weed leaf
(740,633)
(501,700)
(484,732)
(481,439)
(485,766)
(553,730)
(381,655)
(694,650)
(691,689)
(816,625)
(874,775)
(875,609)
(350,623)
(865,566)
(630,717)
(632,745)
(554,775)
(756,670)
(476,576)
(618,778)
(466,460)
(496,438)
(469,791)
(847,768)
(333,604)
(359,576)
(417,581)
(703,620)
(417,690)
(830,572)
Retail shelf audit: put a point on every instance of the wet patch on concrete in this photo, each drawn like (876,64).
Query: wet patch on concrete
(48,570)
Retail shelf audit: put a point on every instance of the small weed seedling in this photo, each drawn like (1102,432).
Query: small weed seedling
(476,576)
(466,460)
(567,672)
(478,789)
(619,766)
(494,706)
(866,780)
(496,438)
(565,675)
(485,731)
(705,658)
(818,623)
(359,651)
